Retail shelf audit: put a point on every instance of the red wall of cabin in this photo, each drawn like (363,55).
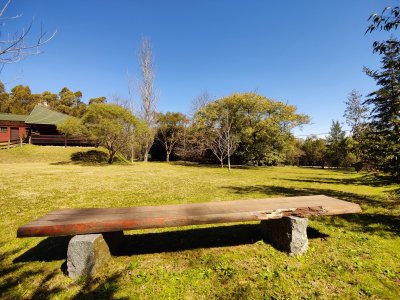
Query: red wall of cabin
(6,136)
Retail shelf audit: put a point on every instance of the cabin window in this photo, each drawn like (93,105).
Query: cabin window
(3,129)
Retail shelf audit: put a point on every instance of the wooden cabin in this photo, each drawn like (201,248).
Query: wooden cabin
(42,128)
(39,128)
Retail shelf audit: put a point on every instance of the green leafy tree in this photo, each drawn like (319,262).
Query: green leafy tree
(3,98)
(314,151)
(293,152)
(70,103)
(111,125)
(48,99)
(71,127)
(20,100)
(388,20)
(171,130)
(263,126)
(97,100)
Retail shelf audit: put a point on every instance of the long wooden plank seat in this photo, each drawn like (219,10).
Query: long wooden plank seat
(99,220)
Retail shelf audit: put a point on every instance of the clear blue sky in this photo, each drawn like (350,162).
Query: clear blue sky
(307,53)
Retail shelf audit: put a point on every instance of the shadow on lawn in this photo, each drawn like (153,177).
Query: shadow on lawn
(55,248)
(365,222)
(367,179)
(9,280)
(104,288)
(45,288)
(221,236)
(213,165)
(49,249)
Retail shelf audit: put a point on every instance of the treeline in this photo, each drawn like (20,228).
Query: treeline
(246,128)
(336,150)
(20,100)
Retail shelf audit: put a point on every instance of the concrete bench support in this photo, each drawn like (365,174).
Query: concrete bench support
(89,253)
(287,234)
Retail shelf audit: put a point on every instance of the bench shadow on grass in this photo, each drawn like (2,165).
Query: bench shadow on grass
(55,248)
(363,222)
(49,249)
(197,238)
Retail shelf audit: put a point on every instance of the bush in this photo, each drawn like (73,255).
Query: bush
(91,156)
(358,166)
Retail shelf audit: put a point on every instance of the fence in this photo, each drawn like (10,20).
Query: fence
(59,140)
(10,144)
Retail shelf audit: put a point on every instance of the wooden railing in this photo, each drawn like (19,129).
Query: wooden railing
(10,144)
(58,140)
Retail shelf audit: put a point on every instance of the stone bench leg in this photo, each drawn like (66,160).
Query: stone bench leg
(88,253)
(287,234)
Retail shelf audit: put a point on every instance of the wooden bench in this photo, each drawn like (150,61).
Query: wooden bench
(283,221)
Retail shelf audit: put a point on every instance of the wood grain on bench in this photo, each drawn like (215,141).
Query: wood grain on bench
(96,220)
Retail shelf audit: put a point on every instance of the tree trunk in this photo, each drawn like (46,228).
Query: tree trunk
(111,158)
(229,163)
(146,152)
(168,154)
(65,141)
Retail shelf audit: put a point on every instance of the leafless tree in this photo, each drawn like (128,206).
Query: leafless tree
(192,146)
(148,94)
(131,99)
(119,100)
(15,47)
(221,141)
(131,104)
(199,102)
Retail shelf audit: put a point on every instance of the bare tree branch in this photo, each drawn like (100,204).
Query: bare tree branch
(199,102)
(16,48)
(221,141)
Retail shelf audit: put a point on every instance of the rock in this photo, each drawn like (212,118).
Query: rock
(86,255)
(287,234)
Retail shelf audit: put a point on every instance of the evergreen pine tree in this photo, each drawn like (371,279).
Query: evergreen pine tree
(337,146)
(385,113)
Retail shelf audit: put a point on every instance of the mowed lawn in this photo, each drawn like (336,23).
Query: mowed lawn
(350,256)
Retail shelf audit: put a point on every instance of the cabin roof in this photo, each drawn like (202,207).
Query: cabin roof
(12,117)
(44,116)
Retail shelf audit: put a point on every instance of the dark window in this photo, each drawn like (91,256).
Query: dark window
(3,129)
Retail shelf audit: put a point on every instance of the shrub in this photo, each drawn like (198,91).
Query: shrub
(358,166)
(91,156)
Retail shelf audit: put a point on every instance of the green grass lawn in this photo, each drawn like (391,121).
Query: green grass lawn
(349,256)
